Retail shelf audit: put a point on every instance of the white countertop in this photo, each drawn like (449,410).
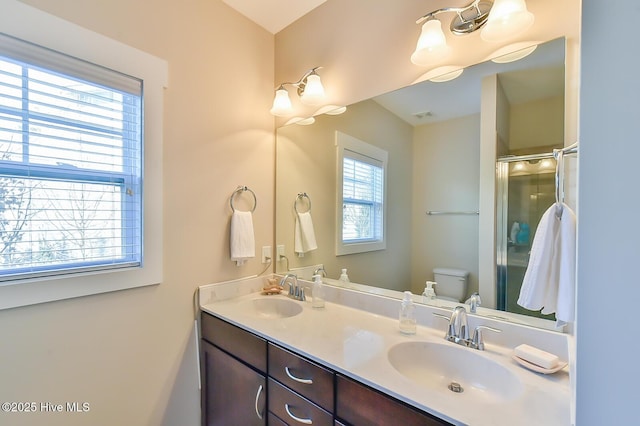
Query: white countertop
(355,343)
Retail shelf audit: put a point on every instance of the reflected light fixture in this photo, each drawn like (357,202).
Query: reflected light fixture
(513,52)
(499,20)
(309,88)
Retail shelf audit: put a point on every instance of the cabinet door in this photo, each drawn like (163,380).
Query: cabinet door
(357,404)
(233,393)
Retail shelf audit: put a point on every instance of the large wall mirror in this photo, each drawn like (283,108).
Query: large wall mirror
(431,134)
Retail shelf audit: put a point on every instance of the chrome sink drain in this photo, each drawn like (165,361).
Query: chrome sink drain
(455,387)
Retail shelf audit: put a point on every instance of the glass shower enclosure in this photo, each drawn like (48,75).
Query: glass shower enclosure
(525,190)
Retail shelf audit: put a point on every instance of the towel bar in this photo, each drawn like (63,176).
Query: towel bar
(435,213)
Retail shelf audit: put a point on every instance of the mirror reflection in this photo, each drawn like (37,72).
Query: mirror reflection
(431,134)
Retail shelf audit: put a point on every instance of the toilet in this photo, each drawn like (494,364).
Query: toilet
(451,284)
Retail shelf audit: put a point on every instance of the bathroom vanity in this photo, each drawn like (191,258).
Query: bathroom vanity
(274,360)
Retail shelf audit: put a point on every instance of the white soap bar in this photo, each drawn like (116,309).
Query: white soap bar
(536,356)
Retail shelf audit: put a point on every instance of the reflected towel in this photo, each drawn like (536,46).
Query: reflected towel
(549,282)
(304,236)
(241,239)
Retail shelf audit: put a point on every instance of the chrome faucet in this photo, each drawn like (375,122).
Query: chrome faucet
(458,326)
(295,291)
(320,270)
(458,330)
(474,301)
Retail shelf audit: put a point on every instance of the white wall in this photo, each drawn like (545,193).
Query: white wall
(131,354)
(608,206)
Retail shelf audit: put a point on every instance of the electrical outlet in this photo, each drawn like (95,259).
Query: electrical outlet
(266,254)
(280,251)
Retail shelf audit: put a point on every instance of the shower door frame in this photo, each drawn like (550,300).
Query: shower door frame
(502,211)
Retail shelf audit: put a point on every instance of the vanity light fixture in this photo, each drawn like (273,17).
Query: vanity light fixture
(499,20)
(513,52)
(309,88)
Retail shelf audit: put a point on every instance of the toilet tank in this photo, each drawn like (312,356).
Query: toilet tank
(452,284)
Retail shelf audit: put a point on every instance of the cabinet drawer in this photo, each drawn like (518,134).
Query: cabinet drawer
(294,409)
(303,376)
(360,405)
(236,341)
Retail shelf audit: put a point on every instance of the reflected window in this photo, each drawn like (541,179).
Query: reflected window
(361,204)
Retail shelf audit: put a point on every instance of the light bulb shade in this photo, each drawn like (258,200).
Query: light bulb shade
(432,45)
(507,19)
(313,93)
(281,103)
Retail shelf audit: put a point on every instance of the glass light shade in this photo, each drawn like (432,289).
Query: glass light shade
(432,44)
(313,93)
(513,52)
(331,110)
(281,103)
(507,19)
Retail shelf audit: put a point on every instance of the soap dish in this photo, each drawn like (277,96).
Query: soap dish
(533,367)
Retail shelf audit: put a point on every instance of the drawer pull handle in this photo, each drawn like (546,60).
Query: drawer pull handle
(297,419)
(258,397)
(297,379)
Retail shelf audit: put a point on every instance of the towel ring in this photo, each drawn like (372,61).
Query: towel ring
(300,196)
(239,190)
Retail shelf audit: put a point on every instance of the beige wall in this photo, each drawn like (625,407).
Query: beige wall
(306,162)
(131,354)
(537,123)
(445,151)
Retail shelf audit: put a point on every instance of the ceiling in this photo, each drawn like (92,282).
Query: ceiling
(538,76)
(274,15)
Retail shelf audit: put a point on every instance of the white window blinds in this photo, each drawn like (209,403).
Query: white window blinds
(70,164)
(362,198)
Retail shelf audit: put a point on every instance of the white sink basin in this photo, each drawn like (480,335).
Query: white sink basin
(274,308)
(437,365)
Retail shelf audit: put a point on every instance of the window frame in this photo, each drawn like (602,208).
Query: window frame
(59,35)
(362,150)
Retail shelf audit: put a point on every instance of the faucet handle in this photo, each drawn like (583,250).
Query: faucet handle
(450,336)
(477,342)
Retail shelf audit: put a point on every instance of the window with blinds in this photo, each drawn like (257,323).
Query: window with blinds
(70,164)
(361,196)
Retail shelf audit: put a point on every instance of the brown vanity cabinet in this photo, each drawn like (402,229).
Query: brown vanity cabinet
(249,381)
(234,383)
(300,391)
(360,405)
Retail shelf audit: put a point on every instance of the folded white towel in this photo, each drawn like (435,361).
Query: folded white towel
(549,282)
(241,239)
(304,235)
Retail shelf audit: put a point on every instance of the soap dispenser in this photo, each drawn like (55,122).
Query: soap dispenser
(429,294)
(407,315)
(317,292)
(343,276)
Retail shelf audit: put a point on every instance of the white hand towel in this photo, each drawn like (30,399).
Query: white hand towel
(565,306)
(241,239)
(304,235)
(549,282)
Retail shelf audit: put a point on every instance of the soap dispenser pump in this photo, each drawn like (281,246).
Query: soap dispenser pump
(407,315)
(429,294)
(317,292)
